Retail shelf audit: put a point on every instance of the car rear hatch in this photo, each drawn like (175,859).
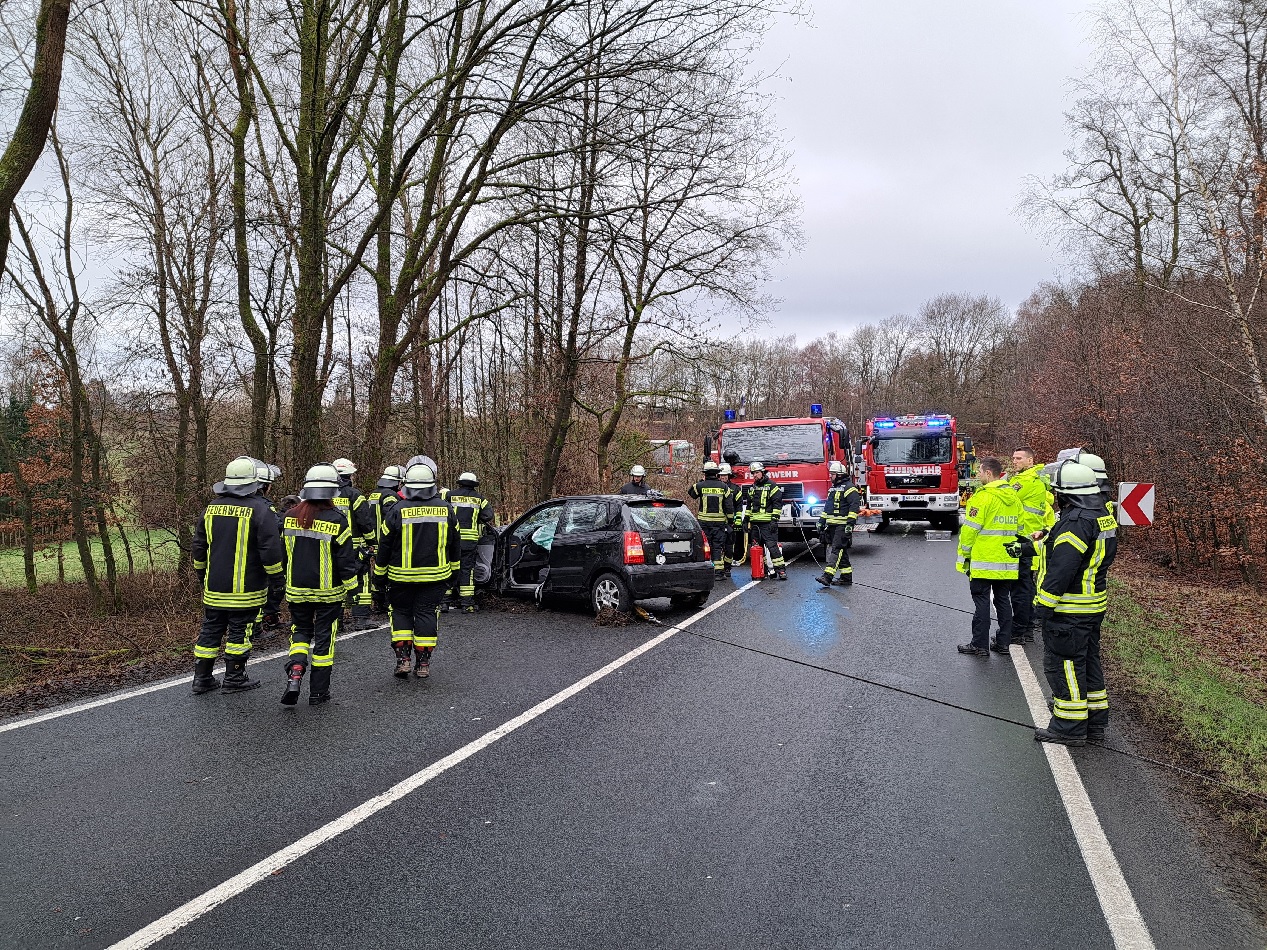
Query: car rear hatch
(668,529)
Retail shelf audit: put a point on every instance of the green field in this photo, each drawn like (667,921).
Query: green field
(11,573)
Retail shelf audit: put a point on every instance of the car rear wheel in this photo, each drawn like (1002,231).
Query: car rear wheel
(610,593)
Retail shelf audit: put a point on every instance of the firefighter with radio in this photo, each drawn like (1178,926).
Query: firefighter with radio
(237,553)
(420,550)
(352,503)
(385,494)
(321,566)
(835,526)
(765,506)
(716,510)
(475,516)
(1070,604)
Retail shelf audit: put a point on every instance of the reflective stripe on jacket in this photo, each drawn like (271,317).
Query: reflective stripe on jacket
(1034,496)
(1075,568)
(715,503)
(992,520)
(474,513)
(421,542)
(321,565)
(380,503)
(843,502)
(237,546)
(765,502)
(352,503)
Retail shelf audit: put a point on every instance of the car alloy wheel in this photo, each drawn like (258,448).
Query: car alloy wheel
(607,594)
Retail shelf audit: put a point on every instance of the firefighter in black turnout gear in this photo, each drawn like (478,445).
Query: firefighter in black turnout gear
(765,507)
(835,526)
(353,504)
(237,553)
(637,484)
(270,620)
(736,539)
(321,567)
(1070,604)
(420,551)
(716,510)
(475,516)
(380,500)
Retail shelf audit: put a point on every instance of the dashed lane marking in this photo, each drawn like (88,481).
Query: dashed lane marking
(190,911)
(1126,924)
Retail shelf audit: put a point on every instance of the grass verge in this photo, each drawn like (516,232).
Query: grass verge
(1210,708)
(164,552)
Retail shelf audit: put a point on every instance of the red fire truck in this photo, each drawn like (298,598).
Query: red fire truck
(795,452)
(911,467)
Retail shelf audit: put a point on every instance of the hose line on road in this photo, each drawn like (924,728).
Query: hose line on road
(968,709)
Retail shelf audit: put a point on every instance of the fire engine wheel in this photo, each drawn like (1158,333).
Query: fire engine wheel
(885,521)
(610,593)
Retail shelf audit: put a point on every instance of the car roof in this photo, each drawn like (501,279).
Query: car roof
(611,496)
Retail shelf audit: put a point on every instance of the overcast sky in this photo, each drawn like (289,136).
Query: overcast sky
(913,126)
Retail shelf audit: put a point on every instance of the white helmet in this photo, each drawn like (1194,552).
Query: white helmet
(468,478)
(837,467)
(393,476)
(1074,478)
(637,471)
(241,478)
(344,467)
(321,483)
(756,466)
(724,469)
(1095,463)
(711,467)
(420,476)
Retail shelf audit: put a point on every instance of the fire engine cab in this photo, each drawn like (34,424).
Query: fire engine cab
(911,469)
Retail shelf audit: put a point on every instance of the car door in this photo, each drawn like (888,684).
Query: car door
(529,544)
(586,523)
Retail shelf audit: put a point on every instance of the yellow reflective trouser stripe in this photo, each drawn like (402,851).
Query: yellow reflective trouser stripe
(206,653)
(1071,680)
(327,659)
(1064,712)
(241,649)
(298,647)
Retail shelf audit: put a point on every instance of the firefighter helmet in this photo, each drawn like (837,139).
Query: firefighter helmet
(1074,478)
(756,466)
(420,476)
(320,484)
(724,469)
(1095,463)
(393,476)
(241,478)
(637,471)
(710,467)
(468,480)
(344,467)
(274,472)
(837,468)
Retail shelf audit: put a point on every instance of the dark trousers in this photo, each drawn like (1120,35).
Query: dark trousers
(1023,595)
(313,631)
(1073,675)
(466,572)
(768,533)
(716,533)
(839,540)
(738,541)
(233,626)
(981,590)
(415,613)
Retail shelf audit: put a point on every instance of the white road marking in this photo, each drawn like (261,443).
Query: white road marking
(190,911)
(1126,924)
(109,698)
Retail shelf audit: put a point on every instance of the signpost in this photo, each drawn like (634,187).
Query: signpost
(1135,503)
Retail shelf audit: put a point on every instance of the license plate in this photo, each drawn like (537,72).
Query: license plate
(676,547)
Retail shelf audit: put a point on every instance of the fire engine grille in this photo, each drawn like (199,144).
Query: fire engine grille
(793,491)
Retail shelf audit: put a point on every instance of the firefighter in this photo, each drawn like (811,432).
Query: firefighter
(475,516)
(1070,604)
(734,527)
(1027,479)
(637,484)
(716,510)
(237,553)
(835,526)
(380,500)
(1096,464)
(321,567)
(361,518)
(270,620)
(765,506)
(987,541)
(419,552)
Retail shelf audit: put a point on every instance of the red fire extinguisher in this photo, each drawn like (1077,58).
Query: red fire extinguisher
(756,557)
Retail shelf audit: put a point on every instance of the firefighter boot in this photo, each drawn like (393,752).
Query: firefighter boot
(845,580)
(236,679)
(402,658)
(781,575)
(824,579)
(294,680)
(422,664)
(319,686)
(204,682)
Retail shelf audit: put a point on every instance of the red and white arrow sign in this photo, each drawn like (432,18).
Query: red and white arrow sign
(1135,501)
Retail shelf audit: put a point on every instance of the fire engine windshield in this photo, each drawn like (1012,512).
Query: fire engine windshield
(919,450)
(794,443)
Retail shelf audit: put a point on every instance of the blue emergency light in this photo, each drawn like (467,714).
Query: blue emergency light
(730,415)
(816,411)
(939,422)
(886,425)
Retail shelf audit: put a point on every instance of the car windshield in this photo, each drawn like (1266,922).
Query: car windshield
(919,450)
(662,516)
(794,443)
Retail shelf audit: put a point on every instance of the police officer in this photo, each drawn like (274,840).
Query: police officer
(716,509)
(419,552)
(360,516)
(270,614)
(1070,604)
(835,526)
(987,540)
(1031,488)
(637,484)
(380,500)
(238,556)
(734,528)
(475,516)
(765,506)
(321,567)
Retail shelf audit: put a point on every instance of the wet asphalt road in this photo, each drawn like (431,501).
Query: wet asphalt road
(701,796)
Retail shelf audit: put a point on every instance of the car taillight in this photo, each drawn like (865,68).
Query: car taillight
(708,548)
(633,548)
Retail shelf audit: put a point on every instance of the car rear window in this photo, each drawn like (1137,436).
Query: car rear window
(662,516)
